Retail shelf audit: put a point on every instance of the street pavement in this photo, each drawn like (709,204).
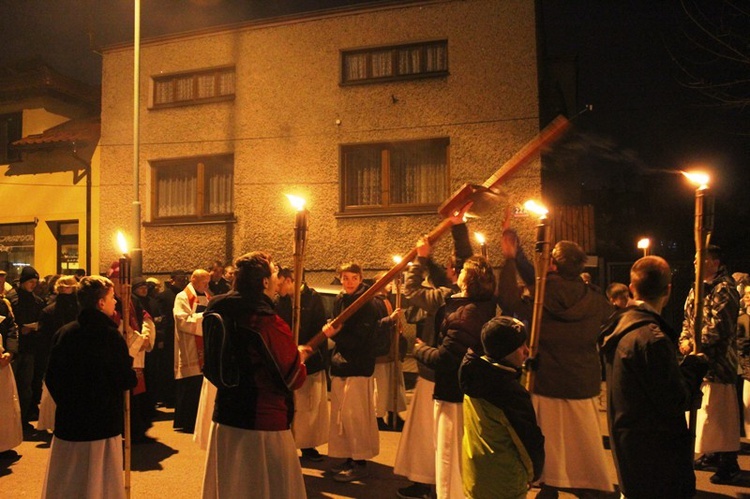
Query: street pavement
(173,468)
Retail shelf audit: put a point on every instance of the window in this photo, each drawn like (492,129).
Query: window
(16,248)
(66,234)
(398,177)
(10,131)
(193,189)
(182,89)
(418,60)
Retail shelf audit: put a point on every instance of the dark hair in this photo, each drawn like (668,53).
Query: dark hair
(91,289)
(714,253)
(286,272)
(617,290)
(251,269)
(569,258)
(479,278)
(650,277)
(352,267)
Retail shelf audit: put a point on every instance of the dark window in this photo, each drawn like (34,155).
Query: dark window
(198,188)
(416,60)
(10,131)
(396,177)
(183,89)
(67,247)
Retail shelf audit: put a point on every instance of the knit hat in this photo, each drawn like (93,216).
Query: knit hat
(502,336)
(138,282)
(28,273)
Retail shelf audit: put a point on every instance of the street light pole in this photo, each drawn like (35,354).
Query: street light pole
(137,252)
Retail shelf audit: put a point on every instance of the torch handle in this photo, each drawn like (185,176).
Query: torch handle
(125,298)
(541,264)
(396,355)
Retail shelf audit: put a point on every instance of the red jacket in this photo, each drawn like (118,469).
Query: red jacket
(258,402)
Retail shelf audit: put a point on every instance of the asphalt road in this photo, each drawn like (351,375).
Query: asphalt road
(173,467)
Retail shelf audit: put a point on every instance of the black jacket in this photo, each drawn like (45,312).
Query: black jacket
(460,330)
(89,369)
(648,393)
(54,316)
(353,355)
(26,310)
(312,321)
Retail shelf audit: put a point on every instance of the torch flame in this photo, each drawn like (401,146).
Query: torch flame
(397,259)
(535,208)
(122,242)
(479,237)
(644,243)
(700,179)
(297,202)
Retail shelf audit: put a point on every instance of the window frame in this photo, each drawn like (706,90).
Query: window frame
(369,52)
(172,78)
(199,163)
(386,208)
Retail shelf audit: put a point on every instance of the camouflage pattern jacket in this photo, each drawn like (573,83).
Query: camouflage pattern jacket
(721,305)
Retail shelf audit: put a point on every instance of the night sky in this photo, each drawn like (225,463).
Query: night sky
(645,121)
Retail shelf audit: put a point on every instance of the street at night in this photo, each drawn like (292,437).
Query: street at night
(173,467)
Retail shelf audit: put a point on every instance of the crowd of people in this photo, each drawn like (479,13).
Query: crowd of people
(260,392)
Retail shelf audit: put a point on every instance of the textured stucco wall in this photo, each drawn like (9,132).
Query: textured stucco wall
(282,128)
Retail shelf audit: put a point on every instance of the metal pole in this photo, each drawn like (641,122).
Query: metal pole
(137,252)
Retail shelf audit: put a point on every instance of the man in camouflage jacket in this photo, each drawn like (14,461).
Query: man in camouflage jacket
(717,425)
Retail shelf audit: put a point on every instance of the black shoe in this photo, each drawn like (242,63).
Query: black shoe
(725,476)
(706,462)
(344,465)
(312,454)
(415,491)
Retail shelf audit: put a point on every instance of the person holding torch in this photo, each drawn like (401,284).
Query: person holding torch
(566,367)
(717,429)
(89,369)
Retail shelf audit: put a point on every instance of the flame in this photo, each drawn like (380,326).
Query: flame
(297,202)
(700,179)
(397,259)
(644,243)
(122,243)
(479,237)
(535,208)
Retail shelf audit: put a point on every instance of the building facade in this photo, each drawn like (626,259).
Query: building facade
(374,115)
(49,131)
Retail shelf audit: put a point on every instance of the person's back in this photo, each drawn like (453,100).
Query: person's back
(567,358)
(251,450)
(648,392)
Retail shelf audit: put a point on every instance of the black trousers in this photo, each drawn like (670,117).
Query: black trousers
(186,402)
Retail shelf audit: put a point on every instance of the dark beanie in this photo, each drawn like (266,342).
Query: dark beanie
(28,273)
(502,336)
(138,282)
